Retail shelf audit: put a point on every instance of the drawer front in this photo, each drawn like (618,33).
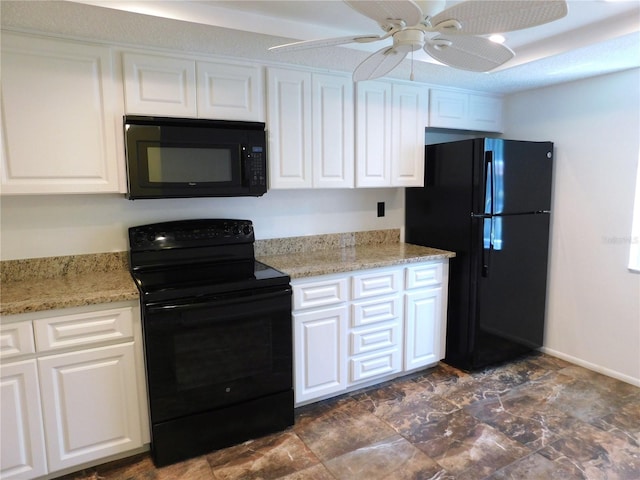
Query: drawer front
(83,329)
(16,339)
(320,294)
(376,283)
(367,367)
(371,339)
(368,312)
(424,275)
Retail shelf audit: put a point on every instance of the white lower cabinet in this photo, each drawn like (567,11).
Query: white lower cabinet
(77,397)
(361,328)
(320,353)
(423,314)
(90,404)
(22,433)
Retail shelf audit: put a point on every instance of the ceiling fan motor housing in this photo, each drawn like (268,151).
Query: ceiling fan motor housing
(408,40)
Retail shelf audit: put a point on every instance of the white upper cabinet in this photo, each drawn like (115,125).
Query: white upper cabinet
(61,117)
(183,87)
(310,124)
(156,85)
(390,123)
(230,92)
(409,119)
(373,134)
(465,111)
(289,128)
(333,149)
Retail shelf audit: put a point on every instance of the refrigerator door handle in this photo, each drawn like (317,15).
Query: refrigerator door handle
(487,245)
(488,183)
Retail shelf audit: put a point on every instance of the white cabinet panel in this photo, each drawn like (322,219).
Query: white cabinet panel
(367,367)
(230,92)
(83,329)
(157,85)
(90,404)
(410,106)
(16,339)
(377,282)
(60,117)
(320,353)
(373,134)
(22,435)
(289,121)
(423,323)
(375,338)
(319,293)
(424,275)
(333,131)
(375,311)
(462,110)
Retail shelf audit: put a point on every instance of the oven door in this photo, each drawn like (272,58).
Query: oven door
(207,353)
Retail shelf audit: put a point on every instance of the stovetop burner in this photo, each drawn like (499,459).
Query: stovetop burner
(192,258)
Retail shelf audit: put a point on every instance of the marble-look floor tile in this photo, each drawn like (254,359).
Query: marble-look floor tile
(595,454)
(526,419)
(536,467)
(495,381)
(390,459)
(267,458)
(536,418)
(192,469)
(466,447)
(341,430)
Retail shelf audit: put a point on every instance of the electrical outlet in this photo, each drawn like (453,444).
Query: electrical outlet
(381,209)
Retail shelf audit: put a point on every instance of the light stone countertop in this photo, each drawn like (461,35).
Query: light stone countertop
(41,284)
(358,257)
(67,291)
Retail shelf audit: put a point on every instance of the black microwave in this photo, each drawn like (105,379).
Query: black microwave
(186,158)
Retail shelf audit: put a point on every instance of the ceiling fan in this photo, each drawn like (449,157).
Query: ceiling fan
(454,36)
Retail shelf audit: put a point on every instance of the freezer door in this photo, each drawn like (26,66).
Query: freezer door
(511,290)
(517,177)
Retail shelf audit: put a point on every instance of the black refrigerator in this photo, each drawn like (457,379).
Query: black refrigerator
(489,200)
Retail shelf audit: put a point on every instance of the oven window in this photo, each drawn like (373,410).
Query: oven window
(223,354)
(189,164)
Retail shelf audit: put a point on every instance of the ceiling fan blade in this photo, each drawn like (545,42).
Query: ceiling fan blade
(383,11)
(328,42)
(477,54)
(378,64)
(485,17)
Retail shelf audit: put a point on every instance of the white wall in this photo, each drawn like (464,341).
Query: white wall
(44,226)
(593,311)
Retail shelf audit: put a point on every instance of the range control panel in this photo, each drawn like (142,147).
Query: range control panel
(190,233)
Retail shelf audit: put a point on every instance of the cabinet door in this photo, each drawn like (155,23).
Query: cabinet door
(423,325)
(333,148)
(320,352)
(90,404)
(373,134)
(155,85)
(289,120)
(230,92)
(448,109)
(60,117)
(485,113)
(23,452)
(408,142)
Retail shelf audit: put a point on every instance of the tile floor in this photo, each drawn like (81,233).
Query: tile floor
(535,418)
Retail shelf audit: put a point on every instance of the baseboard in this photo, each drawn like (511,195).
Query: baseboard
(592,366)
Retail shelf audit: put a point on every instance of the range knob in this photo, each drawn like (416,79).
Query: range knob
(246,230)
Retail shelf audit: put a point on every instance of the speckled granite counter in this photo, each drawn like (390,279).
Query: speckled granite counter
(40,284)
(358,257)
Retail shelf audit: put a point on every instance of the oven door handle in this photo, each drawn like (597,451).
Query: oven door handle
(213,302)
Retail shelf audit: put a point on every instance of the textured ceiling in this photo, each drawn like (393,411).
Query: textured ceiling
(559,53)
